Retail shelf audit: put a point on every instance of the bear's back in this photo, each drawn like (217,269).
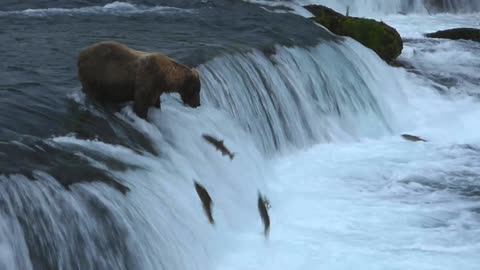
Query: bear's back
(107,70)
(107,56)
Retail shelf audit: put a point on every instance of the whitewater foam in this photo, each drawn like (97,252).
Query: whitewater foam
(452,65)
(114,8)
(371,8)
(375,205)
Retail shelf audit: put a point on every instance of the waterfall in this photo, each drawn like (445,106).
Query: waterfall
(299,96)
(158,224)
(456,6)
(373,7)
(258,104)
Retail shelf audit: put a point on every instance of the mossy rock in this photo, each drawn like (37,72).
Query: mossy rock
(457,33)
(378,36)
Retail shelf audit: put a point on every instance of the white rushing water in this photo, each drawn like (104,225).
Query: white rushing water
(160,223)
(337,103)
(114,8)
(455,64)
(368,8)
(379,204)
(373,7)
(387,203)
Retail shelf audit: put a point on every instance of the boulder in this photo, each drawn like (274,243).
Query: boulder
(378,36)
(457,33)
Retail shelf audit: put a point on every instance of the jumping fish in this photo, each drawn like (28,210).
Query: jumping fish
(263,206)
(219,146)
(206,201)
(412,138)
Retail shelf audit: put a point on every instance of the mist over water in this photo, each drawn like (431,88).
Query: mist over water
(313,119)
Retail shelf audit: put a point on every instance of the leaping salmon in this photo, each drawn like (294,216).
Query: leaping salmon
(412,138)
(206,201)
(218,145)
(263,206)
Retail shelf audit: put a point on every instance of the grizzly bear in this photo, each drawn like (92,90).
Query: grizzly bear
(112,72)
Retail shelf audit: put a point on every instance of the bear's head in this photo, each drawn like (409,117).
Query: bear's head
(191,90)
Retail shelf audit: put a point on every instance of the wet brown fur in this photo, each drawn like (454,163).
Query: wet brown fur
(219,146)
(112,72)
(206,201)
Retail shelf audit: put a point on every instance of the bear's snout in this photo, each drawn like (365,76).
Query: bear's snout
(193,102)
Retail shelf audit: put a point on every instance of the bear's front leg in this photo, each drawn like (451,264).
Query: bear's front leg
(157,103)
(140,108)
(142,100)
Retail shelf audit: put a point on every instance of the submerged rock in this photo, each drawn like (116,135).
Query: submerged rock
(378,36)
(457,33)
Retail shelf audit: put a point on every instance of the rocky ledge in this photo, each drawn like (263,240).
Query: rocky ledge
(378,36)
(457,33)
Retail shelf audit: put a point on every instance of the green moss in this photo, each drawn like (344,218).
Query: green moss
(458,33)
(378,36)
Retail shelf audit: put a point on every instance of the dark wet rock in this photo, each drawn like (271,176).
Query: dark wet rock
(457,33)
(403,64)
(378,36)
(66,167)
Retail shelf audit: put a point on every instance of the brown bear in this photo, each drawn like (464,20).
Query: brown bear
(112,72)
